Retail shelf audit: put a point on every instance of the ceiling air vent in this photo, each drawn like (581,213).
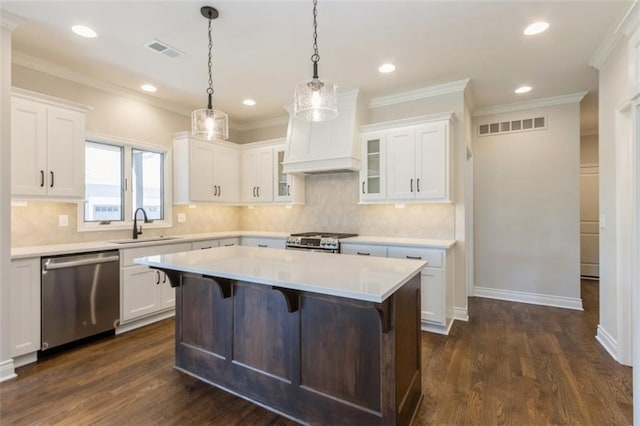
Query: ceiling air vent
(165,49)
(512,126)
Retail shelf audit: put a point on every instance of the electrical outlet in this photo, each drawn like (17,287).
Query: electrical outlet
(63,220)
(182,217)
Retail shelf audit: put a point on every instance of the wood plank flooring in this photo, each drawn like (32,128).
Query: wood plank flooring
(510,364)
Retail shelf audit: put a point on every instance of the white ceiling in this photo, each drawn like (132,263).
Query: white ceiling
(262,48)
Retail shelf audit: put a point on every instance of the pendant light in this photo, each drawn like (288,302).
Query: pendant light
(209,122)
(315,100)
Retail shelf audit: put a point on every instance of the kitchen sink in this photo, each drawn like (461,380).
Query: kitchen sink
(143,240)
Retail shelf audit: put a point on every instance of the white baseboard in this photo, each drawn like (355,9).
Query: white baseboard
(436,328)
(531,298)
(461,314)
(607,342)
(7,370)
(23,360)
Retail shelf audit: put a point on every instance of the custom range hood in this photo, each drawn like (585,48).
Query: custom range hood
(326,146)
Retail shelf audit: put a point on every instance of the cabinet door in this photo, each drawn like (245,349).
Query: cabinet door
(140,294)
(433,303)
(373,167)
(226,162)
(204,245)
(201,171)
(24,294)
(227,242)
(263,242)
(166,293)
(401,181)
(264,174)
(432,162)
(28,148)
(282,184)
(248,177)
(363,250)
(65,153)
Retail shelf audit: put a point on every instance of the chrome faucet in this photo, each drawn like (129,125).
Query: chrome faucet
(137,231)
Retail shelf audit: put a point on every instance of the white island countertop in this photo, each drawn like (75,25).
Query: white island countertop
(353,277)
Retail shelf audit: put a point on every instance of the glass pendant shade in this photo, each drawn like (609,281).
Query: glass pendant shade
(210,123)
(316,101)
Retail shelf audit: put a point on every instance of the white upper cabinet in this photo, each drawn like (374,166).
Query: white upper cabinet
(373,178)
(205,171)
(288,188)
(47,148)
(325,146)
(407,161)
(257,174)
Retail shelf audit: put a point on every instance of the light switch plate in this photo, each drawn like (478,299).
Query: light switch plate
(63,220)
(603,221)
(182,217)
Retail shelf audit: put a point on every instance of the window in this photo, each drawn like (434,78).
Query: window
(121,176)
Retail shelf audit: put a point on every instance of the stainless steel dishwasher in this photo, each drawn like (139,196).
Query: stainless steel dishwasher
(80,296)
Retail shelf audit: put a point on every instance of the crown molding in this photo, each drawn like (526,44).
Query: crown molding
(627,24)
(9,20)
(262,124)
(68,74)
(414,95)
(530,104)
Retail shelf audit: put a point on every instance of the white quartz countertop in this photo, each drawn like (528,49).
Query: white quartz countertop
(354,277)
(57,249)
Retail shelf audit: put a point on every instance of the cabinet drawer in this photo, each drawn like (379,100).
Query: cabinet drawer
(206,244)
(363,250)
(434,257)
(263,242)
(128,255)
(226,242)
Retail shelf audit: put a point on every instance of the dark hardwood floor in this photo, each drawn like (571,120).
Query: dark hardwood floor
(511,363)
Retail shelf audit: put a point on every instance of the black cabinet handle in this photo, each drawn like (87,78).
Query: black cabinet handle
(363,254)
(258,191)
(288,189)
(411,184)
(219,191)
(41,178)
(229,245)
(418,185)
(204,248)
(215,190)
(262,245)
(415,257)
(164,278)
(254,191)
(363,187)
(157,277)
(51,179)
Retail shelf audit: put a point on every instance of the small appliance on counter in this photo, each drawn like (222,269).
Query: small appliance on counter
(323,242)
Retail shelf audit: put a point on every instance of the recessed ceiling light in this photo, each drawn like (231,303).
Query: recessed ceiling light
(148,88)
(523,89)
(84,31)
(536,28)
(385,68)
(249,102)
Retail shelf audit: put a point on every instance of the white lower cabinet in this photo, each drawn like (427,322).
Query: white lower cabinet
(207,244)
(143,291)
(436,280)
(24,294)
(279,243)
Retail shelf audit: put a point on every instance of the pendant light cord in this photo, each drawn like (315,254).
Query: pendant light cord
(315,58)
(210,89)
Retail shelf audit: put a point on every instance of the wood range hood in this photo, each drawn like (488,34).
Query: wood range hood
(328,146)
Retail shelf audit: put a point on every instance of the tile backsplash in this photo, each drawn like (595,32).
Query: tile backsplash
(331,205)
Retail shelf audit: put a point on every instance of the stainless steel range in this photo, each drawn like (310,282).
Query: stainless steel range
(326,242)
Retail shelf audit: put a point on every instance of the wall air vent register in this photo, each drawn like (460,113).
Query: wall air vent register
(512,126)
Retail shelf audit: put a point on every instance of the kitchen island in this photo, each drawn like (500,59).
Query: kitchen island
(318,338)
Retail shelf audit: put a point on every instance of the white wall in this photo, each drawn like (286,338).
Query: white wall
(527,209)
(613,91)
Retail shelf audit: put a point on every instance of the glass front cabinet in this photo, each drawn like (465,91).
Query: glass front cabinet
(289,188)
(372,171)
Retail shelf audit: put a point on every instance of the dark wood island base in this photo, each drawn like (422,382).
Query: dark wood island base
(314,358)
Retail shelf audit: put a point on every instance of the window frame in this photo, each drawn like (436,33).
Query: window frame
(128,146)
